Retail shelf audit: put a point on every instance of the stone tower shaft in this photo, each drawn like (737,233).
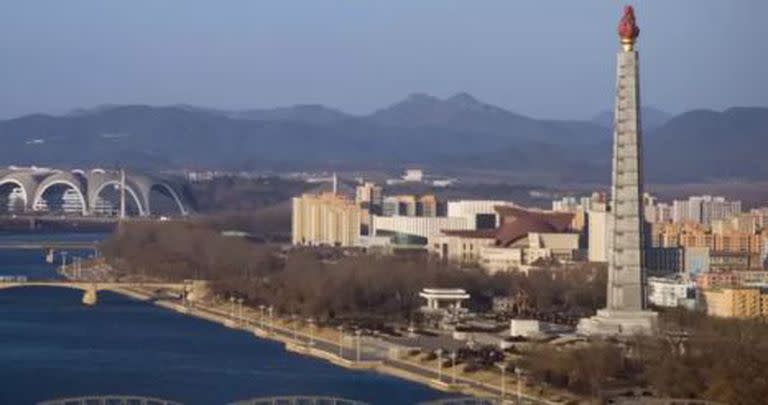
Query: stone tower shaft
(625,255)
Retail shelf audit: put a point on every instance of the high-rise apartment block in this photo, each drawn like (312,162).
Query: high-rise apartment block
(326,219)
(704,209)
(412,206)
(743,303)
(597,233)
(399,206)
(369,197)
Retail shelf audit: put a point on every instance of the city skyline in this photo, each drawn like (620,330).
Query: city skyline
(361,57)
(454,247)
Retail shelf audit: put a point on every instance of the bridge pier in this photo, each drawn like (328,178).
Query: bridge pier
(90,296)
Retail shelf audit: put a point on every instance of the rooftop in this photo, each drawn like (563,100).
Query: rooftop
(517,223)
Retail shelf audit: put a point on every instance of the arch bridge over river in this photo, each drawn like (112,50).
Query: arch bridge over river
(91,289)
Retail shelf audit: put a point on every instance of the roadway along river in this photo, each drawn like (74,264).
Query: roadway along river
(52,346)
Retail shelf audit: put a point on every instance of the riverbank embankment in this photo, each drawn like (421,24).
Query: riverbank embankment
(347,350)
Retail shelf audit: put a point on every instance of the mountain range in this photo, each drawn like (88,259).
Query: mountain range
(458,132)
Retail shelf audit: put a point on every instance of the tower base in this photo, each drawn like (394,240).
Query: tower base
(619,323)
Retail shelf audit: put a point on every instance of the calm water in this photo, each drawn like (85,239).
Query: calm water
(31,263)
(52,346)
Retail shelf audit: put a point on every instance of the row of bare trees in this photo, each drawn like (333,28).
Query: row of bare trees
(326,285)
(693,356)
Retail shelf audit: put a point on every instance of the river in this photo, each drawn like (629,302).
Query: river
(51,346)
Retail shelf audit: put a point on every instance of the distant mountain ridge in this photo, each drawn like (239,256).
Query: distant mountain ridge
(458,132)
(705,144)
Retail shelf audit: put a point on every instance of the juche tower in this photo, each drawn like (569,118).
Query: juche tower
(625,312)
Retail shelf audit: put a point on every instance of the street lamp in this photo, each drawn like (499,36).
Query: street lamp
(453,367)
(439,365)
(311,332)
(295,325)
(358,333)
(240,310)
(271,310)
(341,340)
(232,307)
(64,261)
(261,315)
(503,368)
(518,371)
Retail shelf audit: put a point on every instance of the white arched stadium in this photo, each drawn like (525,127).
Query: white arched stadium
(92,192)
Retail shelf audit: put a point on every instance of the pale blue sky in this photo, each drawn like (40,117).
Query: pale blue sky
(544,58)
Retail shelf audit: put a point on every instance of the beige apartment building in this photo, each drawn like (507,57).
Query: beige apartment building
(598,226)
(325,219)
(736,303)
(462,246)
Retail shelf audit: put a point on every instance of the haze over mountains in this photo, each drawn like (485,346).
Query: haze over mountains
(459,132)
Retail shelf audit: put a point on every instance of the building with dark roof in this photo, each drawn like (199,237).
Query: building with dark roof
(523,237)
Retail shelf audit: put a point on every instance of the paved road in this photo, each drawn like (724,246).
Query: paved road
(368,353)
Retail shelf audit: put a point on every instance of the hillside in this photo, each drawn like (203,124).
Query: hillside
(456,132)
(703,145)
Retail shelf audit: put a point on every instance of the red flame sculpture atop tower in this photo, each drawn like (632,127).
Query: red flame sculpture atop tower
(628,30)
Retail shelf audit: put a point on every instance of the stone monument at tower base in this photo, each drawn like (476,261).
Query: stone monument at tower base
(619,323)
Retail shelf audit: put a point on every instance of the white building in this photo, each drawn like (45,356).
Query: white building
(524,253)
(417,230)
(704,209)
(497,259)
(413,176)
(667,292)
(565,204)
(523,237)
(461,246)
(481,214)
(654,211)
(444,299)
(573,204)
(482,248)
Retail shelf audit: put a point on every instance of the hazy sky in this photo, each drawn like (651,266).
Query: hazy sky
(537,57)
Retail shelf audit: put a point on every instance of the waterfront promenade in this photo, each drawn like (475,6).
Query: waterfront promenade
(346,348)
(350,350)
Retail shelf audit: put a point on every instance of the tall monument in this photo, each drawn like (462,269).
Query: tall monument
(625,312)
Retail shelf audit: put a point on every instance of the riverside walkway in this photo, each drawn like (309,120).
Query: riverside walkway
(349,350)
(344,348)
(87,285)
(355,351)
(46,245)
